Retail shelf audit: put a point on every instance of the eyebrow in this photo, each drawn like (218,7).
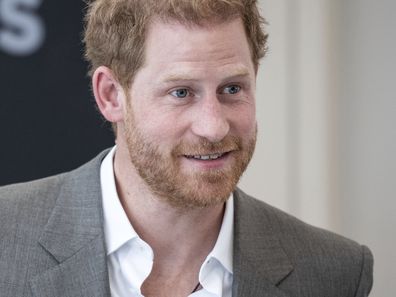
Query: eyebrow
(186,76)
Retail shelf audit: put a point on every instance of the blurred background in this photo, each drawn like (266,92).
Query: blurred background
(48,122)
(327,118)
(326,109)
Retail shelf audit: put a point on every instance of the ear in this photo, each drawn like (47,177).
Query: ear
(109,95)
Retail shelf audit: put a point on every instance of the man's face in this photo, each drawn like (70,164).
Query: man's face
(190,123)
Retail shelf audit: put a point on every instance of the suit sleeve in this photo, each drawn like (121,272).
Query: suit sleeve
(366,274)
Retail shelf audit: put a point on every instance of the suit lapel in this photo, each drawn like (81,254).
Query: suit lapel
(260,263)
(83,274)
(74,237)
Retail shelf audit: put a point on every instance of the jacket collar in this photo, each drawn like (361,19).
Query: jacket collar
(260,263)
(74,237)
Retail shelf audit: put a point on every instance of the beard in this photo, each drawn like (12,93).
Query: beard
(162,171)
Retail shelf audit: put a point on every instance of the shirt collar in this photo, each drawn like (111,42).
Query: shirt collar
(216,272)
(223,249)
(117,228)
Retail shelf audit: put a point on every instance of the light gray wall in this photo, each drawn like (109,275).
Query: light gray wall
(367,130)
(326,106)
(292,168)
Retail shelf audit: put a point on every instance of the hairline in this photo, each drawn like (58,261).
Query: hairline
(165,19)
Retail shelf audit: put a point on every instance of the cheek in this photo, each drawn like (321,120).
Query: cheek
(244,120)
(160,129)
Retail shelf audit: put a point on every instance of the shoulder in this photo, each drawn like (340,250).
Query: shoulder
(288,228)
(35,198)
(26,209)
(317,255)
(29,194)
(25,205)
(31,203)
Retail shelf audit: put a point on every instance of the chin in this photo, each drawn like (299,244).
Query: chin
(204,196)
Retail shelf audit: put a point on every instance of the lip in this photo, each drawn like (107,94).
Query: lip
(208,164)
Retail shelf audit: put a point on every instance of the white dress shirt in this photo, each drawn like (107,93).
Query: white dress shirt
(130,259)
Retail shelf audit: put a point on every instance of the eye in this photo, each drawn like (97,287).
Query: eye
(180,93)
(232,89)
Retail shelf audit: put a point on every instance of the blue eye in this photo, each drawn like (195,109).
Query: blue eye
(180,93)
(233,89)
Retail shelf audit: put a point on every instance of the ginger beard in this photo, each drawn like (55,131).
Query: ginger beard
(162,171)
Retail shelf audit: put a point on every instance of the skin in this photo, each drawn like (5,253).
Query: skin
(194,95)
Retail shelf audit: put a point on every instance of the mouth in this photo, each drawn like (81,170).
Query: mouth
(208,157)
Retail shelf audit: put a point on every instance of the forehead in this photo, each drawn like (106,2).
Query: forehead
(207,44)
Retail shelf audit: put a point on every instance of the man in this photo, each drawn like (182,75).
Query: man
(159,214)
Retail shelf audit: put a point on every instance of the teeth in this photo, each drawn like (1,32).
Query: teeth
(207,157)
(202,157)
(215,156)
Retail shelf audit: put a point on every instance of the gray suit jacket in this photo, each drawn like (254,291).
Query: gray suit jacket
(52,245)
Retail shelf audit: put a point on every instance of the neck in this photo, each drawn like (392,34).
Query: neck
(177,236)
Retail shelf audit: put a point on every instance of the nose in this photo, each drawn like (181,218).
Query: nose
(210,119)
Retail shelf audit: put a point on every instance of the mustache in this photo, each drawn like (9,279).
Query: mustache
(206,147)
